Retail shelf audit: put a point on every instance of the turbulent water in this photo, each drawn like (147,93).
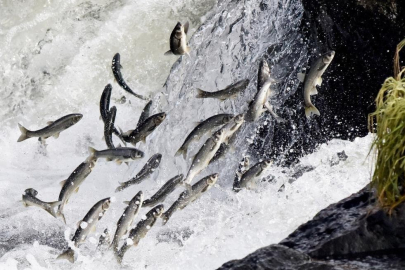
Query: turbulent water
(56,59)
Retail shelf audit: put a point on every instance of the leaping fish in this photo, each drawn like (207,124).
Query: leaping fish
(53,128)
(164,191)
(116,69)
(140,231)
(29,198)
(85,227)
(247,178)
(73,183)
(313,79)
(190,195)
(230,91)
(178,40)
(145,172)
(125,221)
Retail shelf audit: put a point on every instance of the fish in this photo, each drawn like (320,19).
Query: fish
(205,126)
(250,175)
(116,69)
(257,105)
(105,108)
(86,226)
(263,74)
(53,128)
(164,191)
(271,111)
(119,154)
(204,155)
(144,129)
(125,222)
(190,195)
(140,231)
(178,40)
(108,128)
(29,198)
(243,167)
(145,113)
(313,79)
(230,91)
(231,131)
(72,184)
(121,100)
(145,172)
(104,240)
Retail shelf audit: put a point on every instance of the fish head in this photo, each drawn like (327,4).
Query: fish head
(92,163)
(212,179)
(328,57)
(31,191)
(138,197)
(76,117)
(218,135)
(179,27)
(157,158)
(106,204)
(117,57)
(159,118)
(158,210)
(266,163)
(135,154)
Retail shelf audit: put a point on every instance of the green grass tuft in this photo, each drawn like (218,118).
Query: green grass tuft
(389,143)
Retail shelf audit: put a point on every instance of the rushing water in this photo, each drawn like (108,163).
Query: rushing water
(55,59)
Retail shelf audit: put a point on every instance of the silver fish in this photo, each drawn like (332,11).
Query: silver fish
(86,226)
(230,91)
(231,129)
(116,69)
(53,128)
(73,183)
(257,105)
(164,191)
(105,108)
(144,129)
(140,231)
(205,154)
(109,126)
(178,40)
(119,154)
(29,198)
(250,175)
(264,74)
(146,171)
(313,79)
(145,113)
(205,126)
(125,221)
(190,195)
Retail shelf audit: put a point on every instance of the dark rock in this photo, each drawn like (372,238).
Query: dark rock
(276,257)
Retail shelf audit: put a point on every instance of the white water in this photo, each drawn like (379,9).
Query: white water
(67,76)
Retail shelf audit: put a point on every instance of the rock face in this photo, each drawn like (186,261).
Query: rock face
(352,233)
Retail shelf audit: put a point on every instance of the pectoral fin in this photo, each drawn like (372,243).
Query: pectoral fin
(186,25)
(56,135)
(314,91)
(319,81)
(77,190)
(169,52)
(49,123)
(62,183)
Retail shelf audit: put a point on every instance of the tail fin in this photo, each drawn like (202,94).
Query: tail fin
(60,214)
(181,151)
(23,135)
(120,188)
(51,209)
(201,93)
(92,155)
(309,111)
(68,255)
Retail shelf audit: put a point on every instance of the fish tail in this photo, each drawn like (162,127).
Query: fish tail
(311,110)
(120,188)
(201,93)
(181,151)
(68,255)
(60,214)
(23,135)
(51,208)
(92,155)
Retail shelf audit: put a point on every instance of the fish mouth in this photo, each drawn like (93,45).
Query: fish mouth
(178,26)
(328,57)
(77,117)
